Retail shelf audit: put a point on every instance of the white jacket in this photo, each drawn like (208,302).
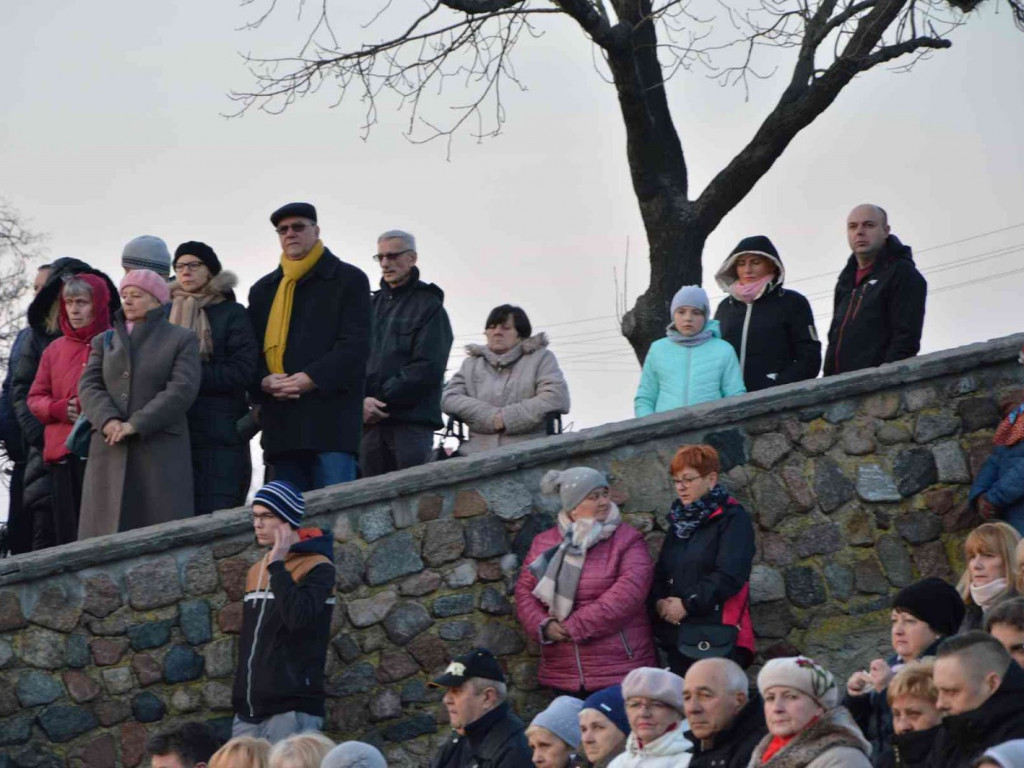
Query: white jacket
(522,385)
(670,751)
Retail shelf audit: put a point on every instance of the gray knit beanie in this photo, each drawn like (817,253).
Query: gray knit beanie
(354,754)
(572,485)
(147,252)
(690,296)
(562,718)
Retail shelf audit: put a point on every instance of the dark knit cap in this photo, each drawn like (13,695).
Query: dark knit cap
(609,703)
(302,210)
(284,500)
(934,602)
(201,251)
(756,244)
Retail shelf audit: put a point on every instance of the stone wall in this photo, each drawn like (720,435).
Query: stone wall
(857,485)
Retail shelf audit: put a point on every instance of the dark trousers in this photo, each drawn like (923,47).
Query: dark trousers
(19,523)
(67,478)
(389,447)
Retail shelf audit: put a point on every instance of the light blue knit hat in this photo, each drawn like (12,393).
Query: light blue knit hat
(690,296)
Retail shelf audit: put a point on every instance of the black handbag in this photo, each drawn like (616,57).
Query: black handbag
(453,429)
(706,641)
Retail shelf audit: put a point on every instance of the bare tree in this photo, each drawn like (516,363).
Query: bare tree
(18,248)
(468,44)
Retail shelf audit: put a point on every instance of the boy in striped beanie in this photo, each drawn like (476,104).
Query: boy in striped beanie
(286,621)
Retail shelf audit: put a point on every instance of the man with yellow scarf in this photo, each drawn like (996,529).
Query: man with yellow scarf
(312,316)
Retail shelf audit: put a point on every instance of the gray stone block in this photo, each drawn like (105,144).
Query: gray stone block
(840,580)
(62,723)
(397,555)
(359,678)
(931,426)
(182,664)
(152,634)
(457,630)
(462,575)
(768,450)
(951,463)
(376,523)
(371,610)
(771,500)
(485,537)
(348,567)
(839,412)
(895,560)
(508,499)
(153,584)
(35,687)
(805,586)
(494,602)
(443,541)
(147,708)
(454,605)
(831,486)
(873,484)
(195,621)
(914,470)
(766,585)
(406,621)
(919,526)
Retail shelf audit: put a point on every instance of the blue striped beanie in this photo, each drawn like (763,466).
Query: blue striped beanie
(284,500)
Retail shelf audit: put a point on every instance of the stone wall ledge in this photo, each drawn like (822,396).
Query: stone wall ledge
(235,522)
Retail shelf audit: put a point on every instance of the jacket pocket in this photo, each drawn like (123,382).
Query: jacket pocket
(625,644)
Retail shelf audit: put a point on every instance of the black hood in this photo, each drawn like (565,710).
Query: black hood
(414,284)
(759,244)
(316,541)
(50,292)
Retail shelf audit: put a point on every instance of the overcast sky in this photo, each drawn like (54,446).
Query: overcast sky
(113,127)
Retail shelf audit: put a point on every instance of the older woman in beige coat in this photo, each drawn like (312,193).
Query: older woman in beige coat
(505,389)
(136,389)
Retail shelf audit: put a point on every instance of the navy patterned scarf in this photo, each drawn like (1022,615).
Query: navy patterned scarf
(685,519)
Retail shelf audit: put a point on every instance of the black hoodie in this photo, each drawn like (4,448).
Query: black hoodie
(880,320)
(963,738)
(774,338)
(411,339)
(285,629)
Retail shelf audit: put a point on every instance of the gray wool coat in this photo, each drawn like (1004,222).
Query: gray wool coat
(148,378)
(522,385)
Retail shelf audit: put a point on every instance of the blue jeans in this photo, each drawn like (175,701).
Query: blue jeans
(308,470)
(277,727)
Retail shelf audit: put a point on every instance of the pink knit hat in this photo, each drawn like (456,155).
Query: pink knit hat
(652,683)
(148,281)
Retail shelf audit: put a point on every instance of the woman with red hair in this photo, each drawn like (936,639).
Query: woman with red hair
(701,592)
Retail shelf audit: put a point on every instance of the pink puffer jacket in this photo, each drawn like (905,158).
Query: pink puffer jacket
(609,625)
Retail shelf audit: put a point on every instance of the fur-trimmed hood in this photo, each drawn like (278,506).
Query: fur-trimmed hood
(525,347)
(224,283)
(834,729)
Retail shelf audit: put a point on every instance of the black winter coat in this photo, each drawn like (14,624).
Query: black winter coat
(496,740)
(220,455)
(909,750)
(36,498)
(781,343)
(706,571)
(282,648)
(411,340)
(880,320)
(733,746)
(328,339)
(963,738)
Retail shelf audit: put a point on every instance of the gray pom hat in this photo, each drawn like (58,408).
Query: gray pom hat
(572,485)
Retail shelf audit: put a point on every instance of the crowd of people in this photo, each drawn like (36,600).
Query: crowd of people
(645,659)
(130,405)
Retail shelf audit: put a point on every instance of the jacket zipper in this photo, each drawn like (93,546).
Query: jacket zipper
(625,644)
(255,640)
(842,326)
(743,338)
(579,666)
(686,390)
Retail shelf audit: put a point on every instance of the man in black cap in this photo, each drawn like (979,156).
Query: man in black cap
(486,733)
(311,316)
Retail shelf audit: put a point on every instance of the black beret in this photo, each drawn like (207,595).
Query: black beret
(303,210)
(201,251)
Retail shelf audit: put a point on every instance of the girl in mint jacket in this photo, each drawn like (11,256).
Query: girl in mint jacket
(692,364)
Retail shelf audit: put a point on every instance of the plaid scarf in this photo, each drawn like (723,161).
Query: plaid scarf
(1011,429)
(685,519)
(558,569)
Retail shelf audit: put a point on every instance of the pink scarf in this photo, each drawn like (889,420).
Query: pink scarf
(750,292)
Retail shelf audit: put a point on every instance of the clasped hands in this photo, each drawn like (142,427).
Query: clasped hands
(281,386)
(115,430)
(877,676)
(555,632)
(671,609)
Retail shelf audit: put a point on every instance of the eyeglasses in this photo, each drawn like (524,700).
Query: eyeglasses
(379,257)
(296,228)
(638,705)
(682,482)
(192,266)
(262,516)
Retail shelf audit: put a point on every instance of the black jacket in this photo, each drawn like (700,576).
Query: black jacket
(774,338)
(964,737)
(411,340)
(36,498)
(496,740)
(873,715)
(328,339)
(909,750)
(880,320)
(706,570)
(281,667)
(733,746)
(220,456)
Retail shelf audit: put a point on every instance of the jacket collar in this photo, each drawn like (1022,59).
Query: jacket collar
(487,734)
(505,359)
(891,252)
(408,286)
(1003,705)
(747,720)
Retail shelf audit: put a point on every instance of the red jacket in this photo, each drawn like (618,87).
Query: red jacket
(609,625)
(59,370)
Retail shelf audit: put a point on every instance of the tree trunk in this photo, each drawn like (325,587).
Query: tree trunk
(657,167)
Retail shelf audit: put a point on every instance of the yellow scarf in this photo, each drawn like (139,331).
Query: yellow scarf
(276,337)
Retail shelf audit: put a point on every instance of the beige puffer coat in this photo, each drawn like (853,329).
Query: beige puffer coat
(522,385)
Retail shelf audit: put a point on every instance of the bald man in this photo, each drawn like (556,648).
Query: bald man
(726,723)
(878,311)
(981,695)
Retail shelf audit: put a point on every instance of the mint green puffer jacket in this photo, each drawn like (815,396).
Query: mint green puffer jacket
(675,376)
